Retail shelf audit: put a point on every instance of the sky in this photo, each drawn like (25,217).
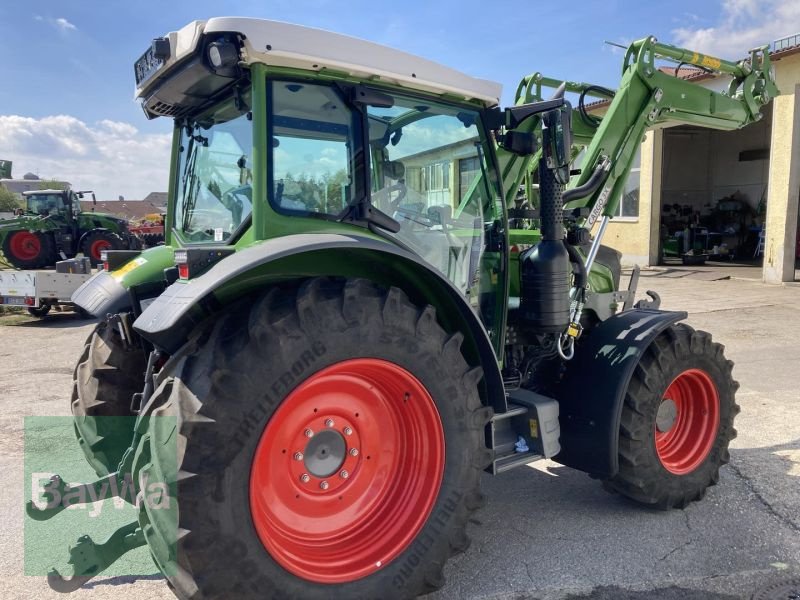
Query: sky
(66,77)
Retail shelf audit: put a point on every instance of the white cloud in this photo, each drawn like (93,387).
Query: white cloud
(743,24)
(61,24)
(64,25)
(110,157)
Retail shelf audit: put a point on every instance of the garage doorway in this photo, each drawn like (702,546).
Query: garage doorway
(714,196)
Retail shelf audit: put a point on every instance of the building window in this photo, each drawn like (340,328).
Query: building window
(629,203)
(468,170)
(436,177)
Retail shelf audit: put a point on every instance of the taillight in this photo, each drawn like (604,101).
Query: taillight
(191,262)
(30,301)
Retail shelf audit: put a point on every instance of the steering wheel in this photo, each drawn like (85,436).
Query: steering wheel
(399,187)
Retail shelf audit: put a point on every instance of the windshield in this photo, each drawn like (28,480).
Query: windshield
(46,204)
(214,189)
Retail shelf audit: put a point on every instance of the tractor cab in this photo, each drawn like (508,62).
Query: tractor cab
(272,147)
(49,203)
(52,203)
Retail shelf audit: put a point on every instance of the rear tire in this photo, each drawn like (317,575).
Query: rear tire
(677,420)
(241,391)
(29,249)
(105,378)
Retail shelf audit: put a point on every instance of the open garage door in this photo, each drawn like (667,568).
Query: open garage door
(714,194)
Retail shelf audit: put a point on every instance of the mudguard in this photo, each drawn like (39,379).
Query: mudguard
(101,295)
(594,385)
(169,320)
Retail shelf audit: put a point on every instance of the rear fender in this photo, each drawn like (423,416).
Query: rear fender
(109,292)
(594,385)
(170,319)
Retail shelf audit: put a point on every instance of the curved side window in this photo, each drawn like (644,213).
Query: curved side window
(312,136)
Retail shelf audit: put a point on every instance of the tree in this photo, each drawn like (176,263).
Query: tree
(52,184)
(8,200)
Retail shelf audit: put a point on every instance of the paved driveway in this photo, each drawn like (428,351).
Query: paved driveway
(548,532)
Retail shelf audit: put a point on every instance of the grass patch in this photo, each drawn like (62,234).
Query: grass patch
(7,317)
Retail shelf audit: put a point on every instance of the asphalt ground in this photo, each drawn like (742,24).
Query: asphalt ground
(547,532)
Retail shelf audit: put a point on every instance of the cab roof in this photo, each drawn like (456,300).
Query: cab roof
(287,45)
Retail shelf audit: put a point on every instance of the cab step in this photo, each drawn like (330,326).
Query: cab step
(526,432)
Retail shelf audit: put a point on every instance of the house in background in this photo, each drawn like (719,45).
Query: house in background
(155,203)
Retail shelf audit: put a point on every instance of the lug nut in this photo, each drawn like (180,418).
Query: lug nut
(298,456)
(348,431)
(328,422)
(344,474)
(323,485)
(309,433)
(305,478)
(353,451)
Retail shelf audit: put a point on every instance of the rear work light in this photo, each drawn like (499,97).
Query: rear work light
(193,261)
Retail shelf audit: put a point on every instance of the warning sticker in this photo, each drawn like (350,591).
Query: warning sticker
(120,273)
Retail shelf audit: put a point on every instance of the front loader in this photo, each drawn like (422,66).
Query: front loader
(332,345)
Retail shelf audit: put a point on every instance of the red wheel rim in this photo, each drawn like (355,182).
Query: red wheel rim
(685,444)
(97,246)
(346,525)
(25,245)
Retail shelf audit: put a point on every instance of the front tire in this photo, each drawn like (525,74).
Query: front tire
(677,420)
(330,444)
(97,241)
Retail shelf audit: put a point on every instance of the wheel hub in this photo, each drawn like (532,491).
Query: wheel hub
(325,453)
(687,421)
(667,413)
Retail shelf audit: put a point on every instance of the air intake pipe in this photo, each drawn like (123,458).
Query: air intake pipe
(545,267)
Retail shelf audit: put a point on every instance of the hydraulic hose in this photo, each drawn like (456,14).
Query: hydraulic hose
(594,182)
(591,120)
(581,275)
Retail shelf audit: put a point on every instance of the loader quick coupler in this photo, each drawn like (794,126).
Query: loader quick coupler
(87,557)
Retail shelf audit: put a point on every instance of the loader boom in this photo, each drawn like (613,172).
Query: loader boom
(647,97)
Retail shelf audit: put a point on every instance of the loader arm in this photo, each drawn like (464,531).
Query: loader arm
(516,169)
(648,97)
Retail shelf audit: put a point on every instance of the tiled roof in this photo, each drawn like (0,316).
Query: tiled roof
(128,209)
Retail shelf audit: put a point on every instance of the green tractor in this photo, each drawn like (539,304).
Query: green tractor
(348,324)
(52,227)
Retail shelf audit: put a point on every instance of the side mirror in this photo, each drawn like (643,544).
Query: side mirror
(557,141)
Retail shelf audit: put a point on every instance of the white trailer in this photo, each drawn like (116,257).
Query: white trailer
(39,291)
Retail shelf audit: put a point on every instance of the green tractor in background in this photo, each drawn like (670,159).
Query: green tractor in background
(348,324)
(52,227)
